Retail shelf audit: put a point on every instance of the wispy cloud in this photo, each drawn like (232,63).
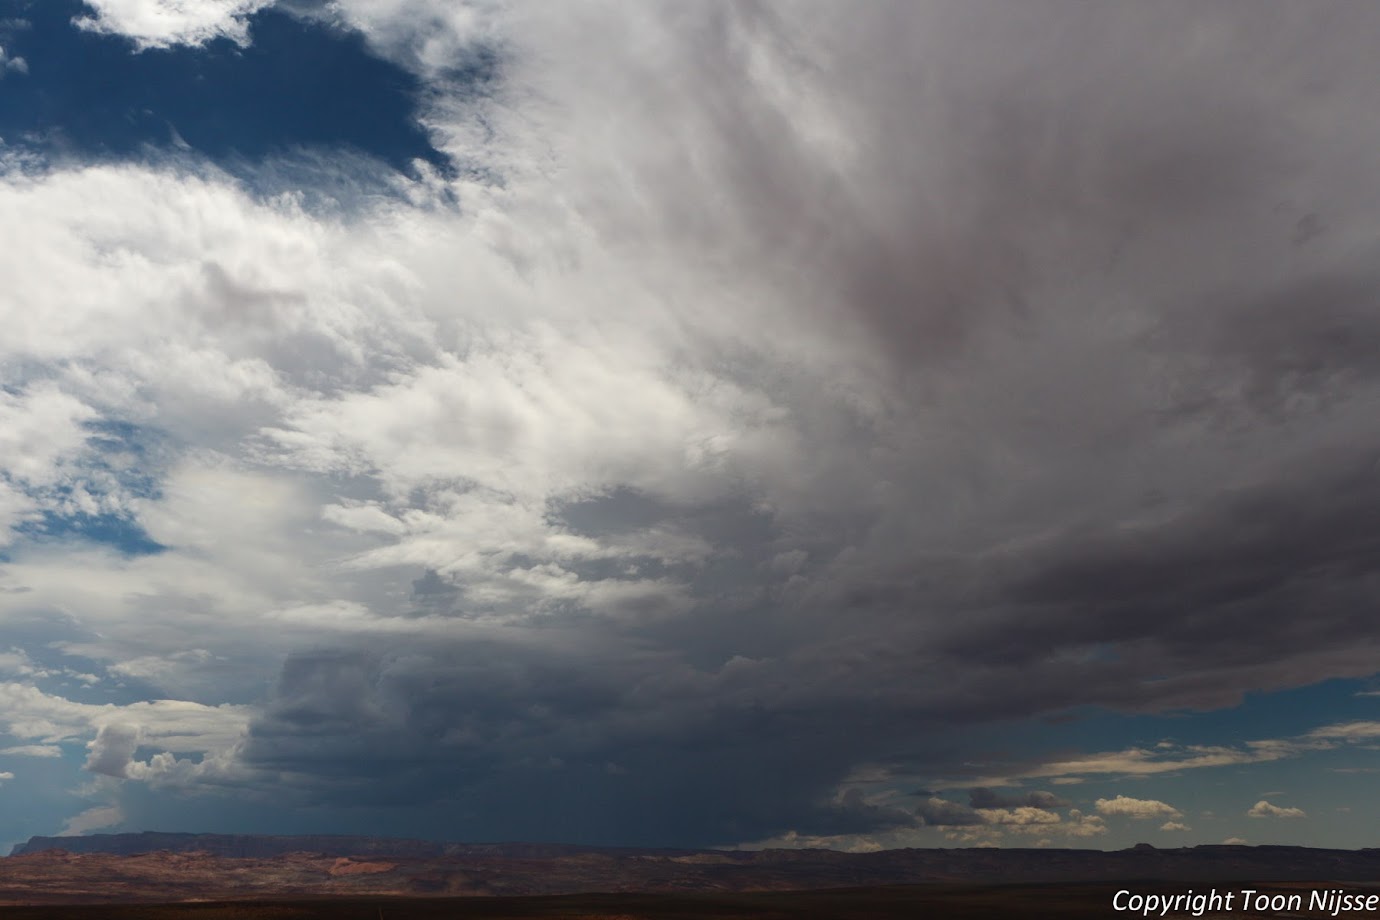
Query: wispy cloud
(1168,757)
(1348,731)
(33,750)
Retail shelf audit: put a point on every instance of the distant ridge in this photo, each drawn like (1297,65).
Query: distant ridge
(238,846)
(537,867)
(263,846)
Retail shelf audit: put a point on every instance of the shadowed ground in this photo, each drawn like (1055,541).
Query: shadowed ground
(965,902)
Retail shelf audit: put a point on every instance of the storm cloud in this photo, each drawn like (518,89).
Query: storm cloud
(769,402)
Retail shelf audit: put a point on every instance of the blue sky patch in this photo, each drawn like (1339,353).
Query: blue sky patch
(298,84)
(119,531)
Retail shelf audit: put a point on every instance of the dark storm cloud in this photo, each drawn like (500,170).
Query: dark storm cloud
(1268,582)
(1304,345)
(664,737)
(519,742)
(1120,258)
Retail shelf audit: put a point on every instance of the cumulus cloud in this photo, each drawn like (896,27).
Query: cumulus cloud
(1084,825)
(984,797)
(1137,808)
(17,662)
(1021,816)
(112,750)
(1174,826)
(161,23)
(208,735)
(1264,809)
(939,812)
(1002,826)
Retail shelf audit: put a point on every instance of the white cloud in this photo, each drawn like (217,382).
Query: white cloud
(1234,841)
(1174,826)
(6,777)
(169,727)
(1075,826)
(161,23)
(1169,757)
(995,826)
(426,35)
(33,750)
(40,431)
(1084,826)
(17,662)
(1348,731)
(319,349)
(1140,762)
(1264,809)
(12,64)
(93,819)
(845,843)
(1137,808)
(1022,816)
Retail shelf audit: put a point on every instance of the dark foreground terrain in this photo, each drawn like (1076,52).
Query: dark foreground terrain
(165,868)
(206,877)
(960,902)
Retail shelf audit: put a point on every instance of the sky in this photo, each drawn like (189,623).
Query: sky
(736,424)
